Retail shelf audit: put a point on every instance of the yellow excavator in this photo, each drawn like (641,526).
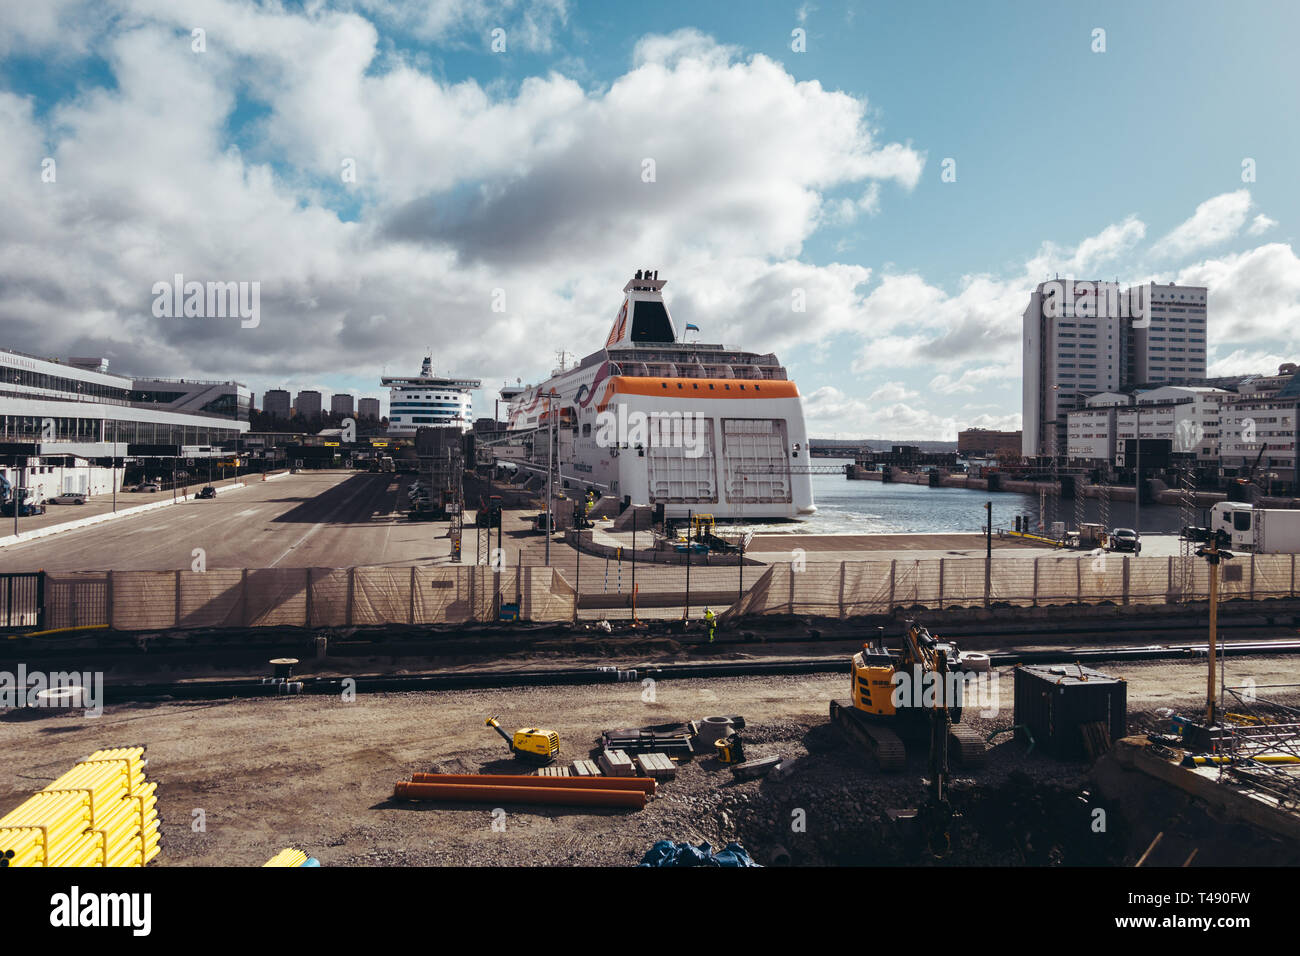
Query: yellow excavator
(899,695)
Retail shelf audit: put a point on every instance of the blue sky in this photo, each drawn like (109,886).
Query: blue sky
(518,170)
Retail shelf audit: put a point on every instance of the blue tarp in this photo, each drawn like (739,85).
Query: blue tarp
(668,853)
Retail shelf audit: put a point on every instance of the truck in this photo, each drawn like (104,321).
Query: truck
(1261,530)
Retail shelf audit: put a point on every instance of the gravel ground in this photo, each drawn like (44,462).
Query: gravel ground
(238,780)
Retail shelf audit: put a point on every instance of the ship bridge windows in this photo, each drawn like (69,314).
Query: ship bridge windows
(650,323)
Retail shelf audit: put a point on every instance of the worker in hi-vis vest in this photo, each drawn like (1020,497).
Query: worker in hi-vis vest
(710,622)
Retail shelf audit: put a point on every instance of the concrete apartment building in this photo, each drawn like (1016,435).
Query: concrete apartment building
(1086,337)
(308,405)
(340,404)
(1259,425)
(276,402)
(368,408)
(1241,425)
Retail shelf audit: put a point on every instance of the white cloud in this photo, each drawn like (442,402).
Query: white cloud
(1253,295)
(461,190)
(1216,220)
(1246,362)
(1260,225)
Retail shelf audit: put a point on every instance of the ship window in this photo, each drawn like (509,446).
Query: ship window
(710,386)
(727,387)
(679,384)
(696,387)
(742,388)
(663,384)
(650,323)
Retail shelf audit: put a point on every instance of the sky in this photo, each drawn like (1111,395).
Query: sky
(479,179)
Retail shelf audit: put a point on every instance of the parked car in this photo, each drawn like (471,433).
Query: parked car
(68,498)
(1125,539)
(148,486)
(207,491)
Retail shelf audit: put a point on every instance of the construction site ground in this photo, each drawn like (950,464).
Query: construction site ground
(240,779)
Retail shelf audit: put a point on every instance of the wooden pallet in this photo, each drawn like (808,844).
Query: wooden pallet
(552,771)
(615,763)
(658,766)
(1096,739)
(585,768)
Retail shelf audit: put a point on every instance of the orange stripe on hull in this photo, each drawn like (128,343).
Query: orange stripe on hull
(702,387)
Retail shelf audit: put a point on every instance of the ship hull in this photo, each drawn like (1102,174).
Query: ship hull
(736,449)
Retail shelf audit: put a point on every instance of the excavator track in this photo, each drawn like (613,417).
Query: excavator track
(883,745)
(966,746)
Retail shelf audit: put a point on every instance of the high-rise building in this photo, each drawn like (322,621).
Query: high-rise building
(368,408)
(1085,337)
(276,403)
(307,405)
(340,404)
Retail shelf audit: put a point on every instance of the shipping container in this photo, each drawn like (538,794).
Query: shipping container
(1054,701)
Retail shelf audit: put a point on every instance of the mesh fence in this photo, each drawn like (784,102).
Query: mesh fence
(346,597)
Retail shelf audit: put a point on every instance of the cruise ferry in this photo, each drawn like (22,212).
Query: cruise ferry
(425,400)
(655,419)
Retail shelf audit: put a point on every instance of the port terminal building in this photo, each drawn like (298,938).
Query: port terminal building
(73,426)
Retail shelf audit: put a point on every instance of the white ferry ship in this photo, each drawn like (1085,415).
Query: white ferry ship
(654,419)
(426,400)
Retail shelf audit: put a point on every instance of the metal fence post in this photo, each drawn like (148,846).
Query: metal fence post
(893,578)
(1035,595)
(108,596)
(690,522)
(347,607)
(842,567)
(1078,582)
(411,596)
(307,609)
(1126,583)
(941,566)
(178,598)
(1252,576)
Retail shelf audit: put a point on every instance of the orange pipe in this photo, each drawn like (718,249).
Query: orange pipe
(571,796)
(644,784)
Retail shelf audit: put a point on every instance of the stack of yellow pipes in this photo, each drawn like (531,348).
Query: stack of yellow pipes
(287,857)
(100,813)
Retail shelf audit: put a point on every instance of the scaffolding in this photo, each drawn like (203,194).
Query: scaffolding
(1186,547)
(1260,741)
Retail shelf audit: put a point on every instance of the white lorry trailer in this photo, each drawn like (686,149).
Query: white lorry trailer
(1261,530)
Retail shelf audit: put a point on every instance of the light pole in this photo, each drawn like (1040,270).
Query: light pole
(1213,556)
(550,455)
(1137,465)
(113,463)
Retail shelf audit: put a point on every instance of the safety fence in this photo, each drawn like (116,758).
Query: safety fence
(304,597)
(851,588)
(354,597)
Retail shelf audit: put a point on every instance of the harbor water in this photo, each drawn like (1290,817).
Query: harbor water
(873,507)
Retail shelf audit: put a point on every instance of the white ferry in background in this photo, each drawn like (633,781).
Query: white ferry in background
(704,428)
(427,400)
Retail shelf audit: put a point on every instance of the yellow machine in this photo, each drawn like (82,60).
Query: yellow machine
(532,744)
(873,718)
(730,749)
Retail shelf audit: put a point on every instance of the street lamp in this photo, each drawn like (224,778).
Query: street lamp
(1213,556)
